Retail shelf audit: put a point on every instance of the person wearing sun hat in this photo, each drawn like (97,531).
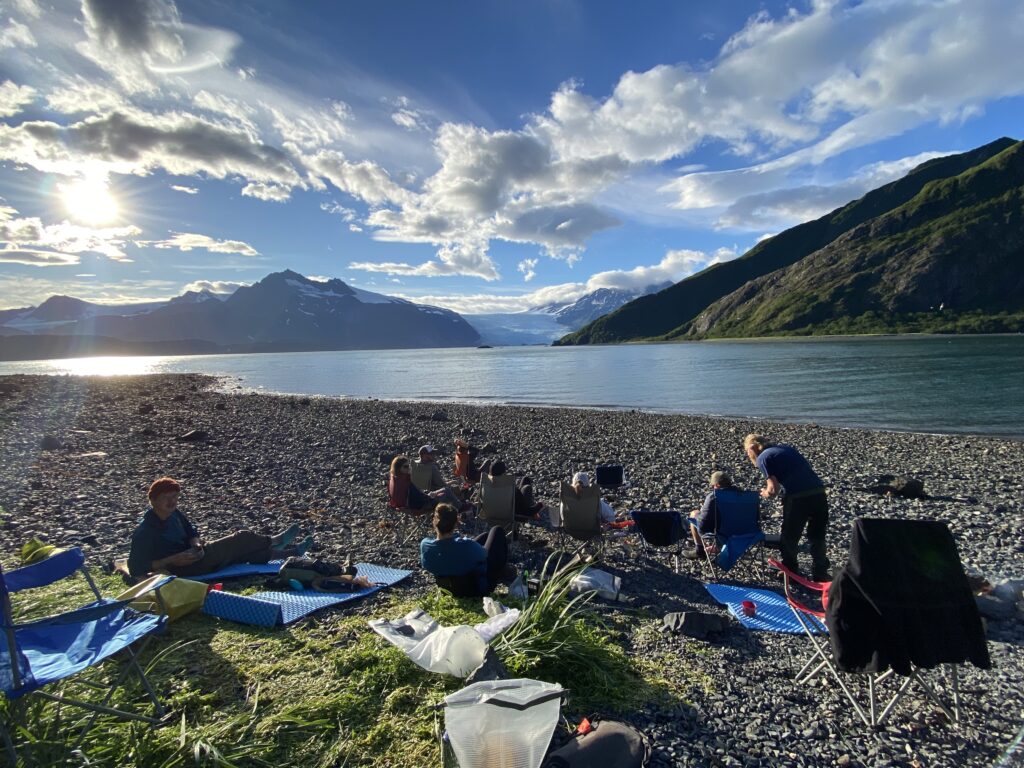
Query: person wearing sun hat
(582,480)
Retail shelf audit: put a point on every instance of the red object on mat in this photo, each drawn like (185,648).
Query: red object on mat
(584,727)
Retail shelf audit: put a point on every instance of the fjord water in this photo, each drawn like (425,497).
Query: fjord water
(927,384)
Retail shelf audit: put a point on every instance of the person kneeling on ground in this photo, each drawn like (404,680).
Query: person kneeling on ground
(582,480)
(466,567)
(706,518)
(526,506)
(403,493)
(166,541)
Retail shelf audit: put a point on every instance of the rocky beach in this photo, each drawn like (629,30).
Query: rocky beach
(79,453)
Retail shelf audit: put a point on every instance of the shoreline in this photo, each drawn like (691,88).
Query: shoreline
(321,461)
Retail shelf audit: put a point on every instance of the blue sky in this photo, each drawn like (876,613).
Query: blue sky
(484,156)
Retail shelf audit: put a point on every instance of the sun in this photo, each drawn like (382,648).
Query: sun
(89,201)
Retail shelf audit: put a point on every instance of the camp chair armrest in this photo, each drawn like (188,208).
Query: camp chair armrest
(814,586)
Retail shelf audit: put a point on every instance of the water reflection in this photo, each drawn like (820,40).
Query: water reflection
(103,366)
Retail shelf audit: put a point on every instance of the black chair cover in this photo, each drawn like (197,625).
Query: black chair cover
(903,599)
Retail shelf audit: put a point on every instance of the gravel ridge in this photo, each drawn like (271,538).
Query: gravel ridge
(269,460)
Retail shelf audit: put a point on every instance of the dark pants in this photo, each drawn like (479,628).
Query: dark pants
(798,513)
(496,544)
(524,499)
(239,547)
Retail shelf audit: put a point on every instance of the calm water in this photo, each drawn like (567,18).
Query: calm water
(929,384)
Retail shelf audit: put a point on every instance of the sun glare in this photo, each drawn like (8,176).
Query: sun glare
(89,201)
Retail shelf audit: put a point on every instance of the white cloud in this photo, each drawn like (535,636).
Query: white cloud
(14,97)
(29,239)
(674,266)
(528,268)
(135,142)
(76,95)
(16,35)
(188,241)
(786,206)
(346,214)
(273,193)
(37,258)
(185,190)
(213,286)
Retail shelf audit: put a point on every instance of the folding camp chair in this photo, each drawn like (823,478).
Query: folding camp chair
(662,529)
(408,523)
(37,653)
(901,606)
(609,476)
(738,531)
(581,515)
(498,502)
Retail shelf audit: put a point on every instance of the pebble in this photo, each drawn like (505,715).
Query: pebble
(322,463)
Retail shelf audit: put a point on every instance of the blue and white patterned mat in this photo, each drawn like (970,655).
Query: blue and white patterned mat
(773,613)
(268,609)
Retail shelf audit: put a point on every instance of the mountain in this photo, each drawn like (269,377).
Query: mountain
(949,259)
(61,310)
(544,323)
(660,314)
(282,312)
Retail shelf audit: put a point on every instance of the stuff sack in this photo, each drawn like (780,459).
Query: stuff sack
(180,597)
(308,571)
(610,744)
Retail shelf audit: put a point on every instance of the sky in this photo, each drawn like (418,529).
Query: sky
(482,155)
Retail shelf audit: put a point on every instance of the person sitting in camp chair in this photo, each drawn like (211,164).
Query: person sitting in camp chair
(465,463)
(465,567)
(426,473)
(526,506)
(705,519)
(580,481)
(166,541)
(403,493)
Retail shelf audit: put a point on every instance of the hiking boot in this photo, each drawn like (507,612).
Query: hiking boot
(692,553)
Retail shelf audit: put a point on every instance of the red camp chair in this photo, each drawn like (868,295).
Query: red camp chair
(407,522)
(812,619)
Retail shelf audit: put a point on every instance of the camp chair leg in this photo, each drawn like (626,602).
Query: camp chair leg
(954,674)
(12,754)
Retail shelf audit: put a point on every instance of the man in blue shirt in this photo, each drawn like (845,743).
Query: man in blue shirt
(804,504)
(466,567)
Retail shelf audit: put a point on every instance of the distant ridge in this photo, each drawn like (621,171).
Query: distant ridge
(667,313)
(284,311)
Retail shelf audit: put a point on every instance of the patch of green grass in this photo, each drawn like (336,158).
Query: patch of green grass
(320,694)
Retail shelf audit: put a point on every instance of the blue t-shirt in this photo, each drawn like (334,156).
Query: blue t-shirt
(454,557)
(707,518)
(785,463)
(155,539)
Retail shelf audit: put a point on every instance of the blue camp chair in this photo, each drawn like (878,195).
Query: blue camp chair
(662,529)
(739,529)
(35,653)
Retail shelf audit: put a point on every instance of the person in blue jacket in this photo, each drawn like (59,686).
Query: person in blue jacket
(804,504)
(467,567)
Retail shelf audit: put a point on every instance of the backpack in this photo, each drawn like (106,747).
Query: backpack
(610,744)
(310,572)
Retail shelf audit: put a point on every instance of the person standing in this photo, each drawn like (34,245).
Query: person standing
(804,504)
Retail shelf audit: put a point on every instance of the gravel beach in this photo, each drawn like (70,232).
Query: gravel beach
(76,456)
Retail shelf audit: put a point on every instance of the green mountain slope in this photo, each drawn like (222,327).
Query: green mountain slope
(662,313)
(949,259)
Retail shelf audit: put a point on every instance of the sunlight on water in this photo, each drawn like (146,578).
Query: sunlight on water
(104,366)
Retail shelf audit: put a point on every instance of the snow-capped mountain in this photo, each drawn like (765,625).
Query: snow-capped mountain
(283,311)
(545,323)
